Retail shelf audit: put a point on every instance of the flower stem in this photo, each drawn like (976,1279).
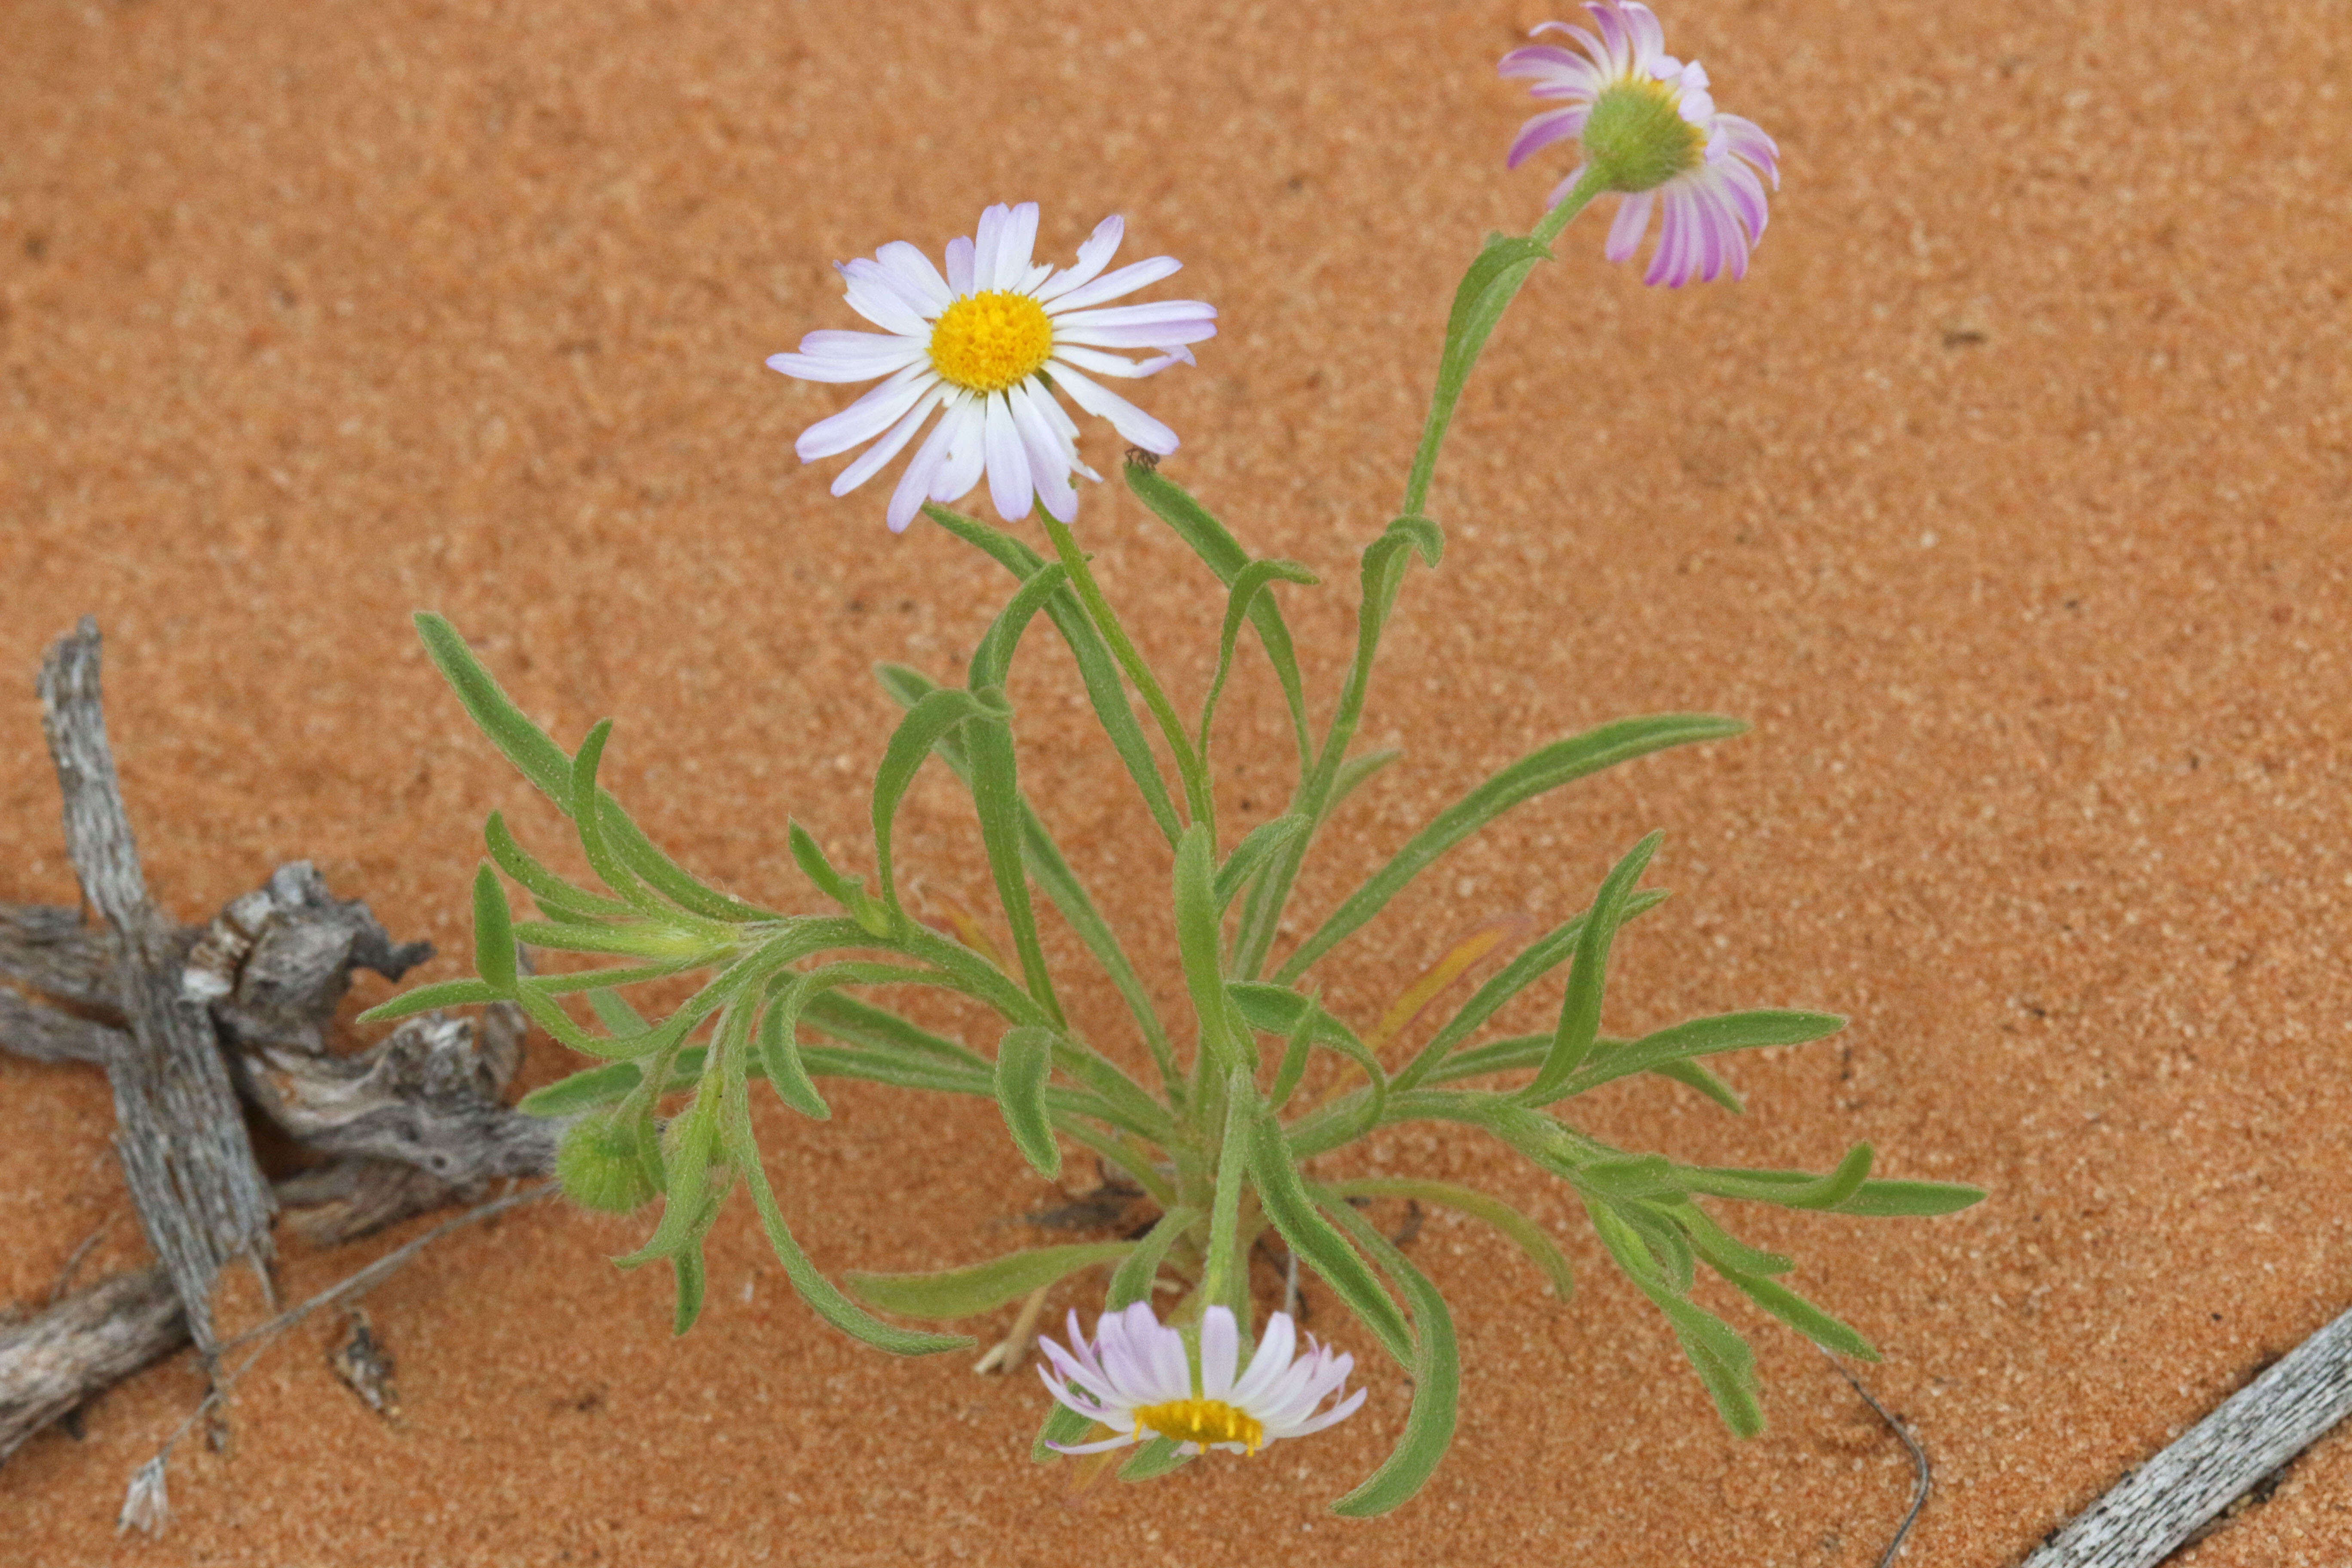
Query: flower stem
(1197,798)
(1473,321)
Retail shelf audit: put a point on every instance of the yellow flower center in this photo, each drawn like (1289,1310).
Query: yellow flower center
(1636,135)
(992,340)
(1201,1421)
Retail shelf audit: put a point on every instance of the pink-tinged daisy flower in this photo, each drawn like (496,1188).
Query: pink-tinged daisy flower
(990,343)
(1135,1379)
(1646,121)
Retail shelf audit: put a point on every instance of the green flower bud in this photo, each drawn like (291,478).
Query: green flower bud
(1638,139)
(607,1164)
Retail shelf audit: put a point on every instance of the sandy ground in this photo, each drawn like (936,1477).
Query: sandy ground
(2010,498)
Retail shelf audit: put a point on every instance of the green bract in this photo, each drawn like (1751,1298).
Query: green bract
(1203,1112)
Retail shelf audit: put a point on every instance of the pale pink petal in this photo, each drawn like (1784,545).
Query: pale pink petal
(1272,1357)
(1543,130)
(1633,222)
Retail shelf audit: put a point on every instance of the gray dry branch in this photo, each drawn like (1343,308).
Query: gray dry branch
(201,1198)
(187,1019)
(2254,1432)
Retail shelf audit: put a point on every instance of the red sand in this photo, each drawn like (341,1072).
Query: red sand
(2010,498)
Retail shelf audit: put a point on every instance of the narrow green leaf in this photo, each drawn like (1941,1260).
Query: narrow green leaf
(1324,1249)
(780,1046)
(1154,1457)
(1437,1371)
(613,1011)
(814,1288)
(996,797)
(1250,856)
(526,745)
(980,1287)
(585,1091)
(693,1279)
(910,743)
(1224,1281)
(1895,1200)
(1105,687)
(688,1146)
(426,998)
(1790,1189)
(650,862)
(1530,965)
(1802,1316)
(847,891)
(1559,763)
(1704,1037)
(553,893)
(1355,770)
(1052,871)
(1719,1356)
(1198,932)
(1223,554)
(1025,1059)
(1723,1251)
(1693,1076)
(1131,1281)
(1580,1011)
(494,939)
(1428,540)
(1521,1231)
(1247,585)
(858,1022)
(1634,1176)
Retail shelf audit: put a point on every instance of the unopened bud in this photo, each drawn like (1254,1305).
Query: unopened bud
(606,1162)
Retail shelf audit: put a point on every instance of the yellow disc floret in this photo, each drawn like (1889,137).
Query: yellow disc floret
(992,340)
(1201,1421)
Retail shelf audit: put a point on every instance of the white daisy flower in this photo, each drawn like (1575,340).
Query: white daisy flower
(991,343)
(1137,1380)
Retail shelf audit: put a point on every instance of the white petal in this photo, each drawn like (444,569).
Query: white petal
(1093,257)
(869,462)
(1124,417)
(1139,334)
(1221,1349)
(1008,461)
(1094,360)
(865,419)
(1273,1358)
(959,266)
(1050,457)
(966,456)
(872,294)
(1171,311)
(1126,280)
(915,481)
(1015,247)
(1331,1417)
(916,274)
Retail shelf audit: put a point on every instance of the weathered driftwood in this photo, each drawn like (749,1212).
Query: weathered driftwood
(91,1340)
(413,1123)
(200,1196)
(2254,1432)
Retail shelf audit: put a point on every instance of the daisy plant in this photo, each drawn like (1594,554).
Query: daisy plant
(1203,1111)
